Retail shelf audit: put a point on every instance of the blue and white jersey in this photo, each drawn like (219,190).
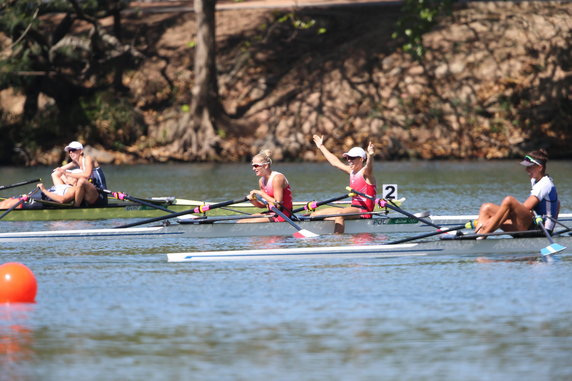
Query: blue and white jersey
(545,192)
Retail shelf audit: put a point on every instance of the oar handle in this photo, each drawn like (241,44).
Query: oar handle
(279,213)
(384,203)
(312,205)
(538,220)
(2,187)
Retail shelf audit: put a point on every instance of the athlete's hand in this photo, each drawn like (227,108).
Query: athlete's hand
(319,140)
(370,149)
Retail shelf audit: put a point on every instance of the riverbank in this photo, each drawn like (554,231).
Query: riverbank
(495,83)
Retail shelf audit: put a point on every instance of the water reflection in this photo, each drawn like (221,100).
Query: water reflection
(16,339)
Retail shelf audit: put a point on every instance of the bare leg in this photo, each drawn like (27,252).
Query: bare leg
(91,193)
(511,215)
(9,202)
(254,220)
(339,225)
(486,211)
(339,221)
(80,192)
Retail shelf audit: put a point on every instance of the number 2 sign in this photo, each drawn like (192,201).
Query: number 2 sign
(389,191)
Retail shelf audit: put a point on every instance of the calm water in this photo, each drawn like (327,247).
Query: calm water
(117,310)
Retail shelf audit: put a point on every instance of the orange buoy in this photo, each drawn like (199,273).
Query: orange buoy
(17,283)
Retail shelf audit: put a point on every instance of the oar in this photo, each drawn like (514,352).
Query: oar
(2,187)
(467,225)
(202,220)
(312,205)
(301,233)
(559,223)
(553,248)
(198,209)
(385,204)
(22,200)
(124,196)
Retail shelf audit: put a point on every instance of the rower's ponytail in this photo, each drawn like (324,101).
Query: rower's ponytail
(265,156)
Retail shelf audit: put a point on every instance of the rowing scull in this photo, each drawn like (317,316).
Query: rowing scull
(55,212)
(502,246)
(380,224)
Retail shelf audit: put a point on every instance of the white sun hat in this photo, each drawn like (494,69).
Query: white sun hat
(356,152)
(73,145)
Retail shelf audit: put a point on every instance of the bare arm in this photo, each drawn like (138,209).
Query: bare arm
(332,159)
(260,192)
(86,174)
(531,202)
(278,185)
(368,169)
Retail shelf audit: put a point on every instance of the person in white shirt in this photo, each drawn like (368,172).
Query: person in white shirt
(512,215)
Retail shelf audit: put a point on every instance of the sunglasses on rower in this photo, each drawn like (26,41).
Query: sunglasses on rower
(258,165)
(351,158)
(73,150)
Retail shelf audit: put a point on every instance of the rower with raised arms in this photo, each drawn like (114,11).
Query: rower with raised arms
(512,215)
(274,189)
(360,168)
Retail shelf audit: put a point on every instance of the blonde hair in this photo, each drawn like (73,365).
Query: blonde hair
(265,156)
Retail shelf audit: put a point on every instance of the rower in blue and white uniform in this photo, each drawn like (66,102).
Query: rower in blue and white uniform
(513,216)
(548,205)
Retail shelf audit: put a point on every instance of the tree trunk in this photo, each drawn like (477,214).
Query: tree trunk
(196,133)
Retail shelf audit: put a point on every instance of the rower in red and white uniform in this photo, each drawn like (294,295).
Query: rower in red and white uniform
(274,189)
(360,168)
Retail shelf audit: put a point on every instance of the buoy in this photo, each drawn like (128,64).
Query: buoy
(17,283)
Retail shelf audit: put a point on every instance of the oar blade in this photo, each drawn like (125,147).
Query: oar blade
(552,249)
(303,233)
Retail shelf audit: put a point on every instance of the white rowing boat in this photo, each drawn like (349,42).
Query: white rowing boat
(52,211)
(87,233)
(457,247)
(207,228)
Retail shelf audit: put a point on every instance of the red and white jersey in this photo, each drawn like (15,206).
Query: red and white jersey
(357,182)
(286,193)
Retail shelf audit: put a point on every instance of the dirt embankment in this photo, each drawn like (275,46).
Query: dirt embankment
(495,82)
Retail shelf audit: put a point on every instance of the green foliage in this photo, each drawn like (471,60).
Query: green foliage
(108,119)
(418,17)
(301,23)
(43,54)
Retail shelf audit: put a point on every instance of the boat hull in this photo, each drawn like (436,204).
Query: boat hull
(492,246)
(377,225)
(380,224)
(132,210)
